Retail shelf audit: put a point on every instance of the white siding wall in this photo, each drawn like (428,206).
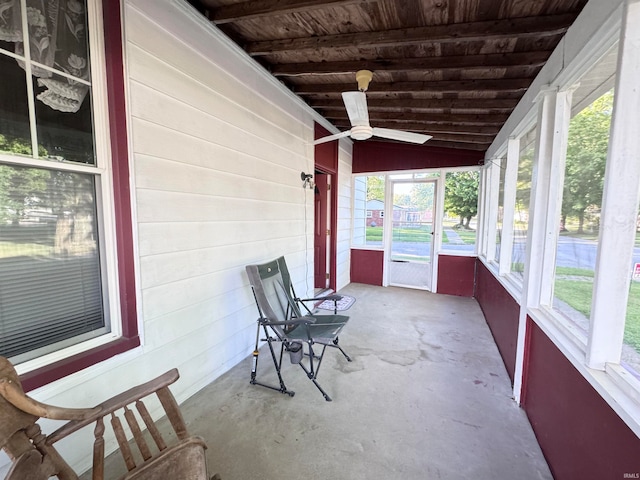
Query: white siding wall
(217,149)
(343,257)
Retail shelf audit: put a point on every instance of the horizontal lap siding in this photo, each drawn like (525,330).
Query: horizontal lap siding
(217,148)
(343,258)
(217,187)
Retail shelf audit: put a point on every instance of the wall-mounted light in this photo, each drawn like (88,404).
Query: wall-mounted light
(306,180)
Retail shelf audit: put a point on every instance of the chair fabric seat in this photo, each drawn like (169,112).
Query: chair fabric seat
(324,331)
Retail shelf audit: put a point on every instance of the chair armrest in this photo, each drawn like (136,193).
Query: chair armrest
(296,321)
(16,397)
(114,403)
(335,297)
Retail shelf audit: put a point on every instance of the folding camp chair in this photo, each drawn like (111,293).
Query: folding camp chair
(281,320)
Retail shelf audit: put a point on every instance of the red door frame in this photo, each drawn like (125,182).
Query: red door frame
(326,161)
(320,231)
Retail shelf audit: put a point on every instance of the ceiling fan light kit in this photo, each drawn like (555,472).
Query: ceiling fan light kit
(363,77)
(356,105)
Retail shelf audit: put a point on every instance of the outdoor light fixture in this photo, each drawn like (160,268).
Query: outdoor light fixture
(306,180)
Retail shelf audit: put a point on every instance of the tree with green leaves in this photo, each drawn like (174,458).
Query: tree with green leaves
(375,188)
(461,196)
(586,159)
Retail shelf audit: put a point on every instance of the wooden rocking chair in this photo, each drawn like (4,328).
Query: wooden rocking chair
(34,456)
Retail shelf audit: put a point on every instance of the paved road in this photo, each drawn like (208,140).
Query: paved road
(572,252)
(578,253)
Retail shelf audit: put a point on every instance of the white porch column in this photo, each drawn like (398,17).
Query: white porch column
(534,253)
(619,203)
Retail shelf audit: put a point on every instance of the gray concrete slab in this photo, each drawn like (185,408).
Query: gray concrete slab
(426,397)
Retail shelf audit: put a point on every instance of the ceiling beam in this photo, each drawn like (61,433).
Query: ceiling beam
(422,117)
(454,63)
(391,104)
(458,145)
(440,86)
(451,128)
(526,27)
(434,119)
(267,8)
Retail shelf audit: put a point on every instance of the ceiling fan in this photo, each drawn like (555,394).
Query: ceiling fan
(356,105)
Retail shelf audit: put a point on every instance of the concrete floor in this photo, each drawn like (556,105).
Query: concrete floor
(426,397)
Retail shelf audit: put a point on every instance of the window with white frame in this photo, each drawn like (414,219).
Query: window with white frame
(579,223)
(55,188)
(368,197)
(578,244)
(502,163)
(460,207)
(523,197)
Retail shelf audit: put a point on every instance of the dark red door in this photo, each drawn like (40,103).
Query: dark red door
(320,231)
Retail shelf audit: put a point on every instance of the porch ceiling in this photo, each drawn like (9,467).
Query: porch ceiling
(454,69)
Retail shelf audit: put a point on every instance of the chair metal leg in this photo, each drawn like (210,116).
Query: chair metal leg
(312,373)
(335,344)
(254,369)
(315,382)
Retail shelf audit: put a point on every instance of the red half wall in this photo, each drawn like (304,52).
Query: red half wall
(580,435)
(366,266)
(456,275)
(501,312)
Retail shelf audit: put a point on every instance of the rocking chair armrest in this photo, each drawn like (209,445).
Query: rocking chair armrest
(114,403)
(13,394)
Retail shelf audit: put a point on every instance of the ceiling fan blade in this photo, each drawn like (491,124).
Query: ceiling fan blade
(356,105)
(332,137)
(400,135)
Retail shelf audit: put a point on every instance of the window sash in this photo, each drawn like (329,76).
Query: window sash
(89,311)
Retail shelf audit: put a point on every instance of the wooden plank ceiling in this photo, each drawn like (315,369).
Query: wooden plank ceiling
(454,69)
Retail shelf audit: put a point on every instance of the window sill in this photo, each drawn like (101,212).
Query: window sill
(56,370)
(456,253)
(368,247)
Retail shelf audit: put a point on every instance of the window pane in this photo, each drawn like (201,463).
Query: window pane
(631,345)
(10,25)
(14,110)
(461,208)
(368,211)
(64,123)
(523,195)
(503,170)
(50,280)
(580,214)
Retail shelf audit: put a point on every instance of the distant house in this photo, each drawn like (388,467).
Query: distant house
(375,213)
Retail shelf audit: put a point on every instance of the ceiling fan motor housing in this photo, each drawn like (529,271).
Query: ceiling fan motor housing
(361,132)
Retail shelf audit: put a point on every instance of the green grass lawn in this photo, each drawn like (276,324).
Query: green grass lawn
(12,249)
(577,292)
(374,234)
